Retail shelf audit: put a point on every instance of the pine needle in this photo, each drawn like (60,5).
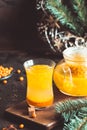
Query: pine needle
(61,13)
(69,105)
(74,20)
(74,113)
(80,8)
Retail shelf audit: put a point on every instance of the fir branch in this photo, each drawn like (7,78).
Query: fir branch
(81,126)
(80,8)
(75,123)
(60,12)
(69,105)
(74,113)
(66,17)
(83,112)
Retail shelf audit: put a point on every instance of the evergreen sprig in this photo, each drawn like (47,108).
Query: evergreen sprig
(74,20)
(61,13)
(69,105)
(74,113)
(75,123)
(74,120)
(80,8)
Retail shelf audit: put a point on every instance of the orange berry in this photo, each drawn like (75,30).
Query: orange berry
(18,71)
(11,68)
(5,81)
(21,78)
(33,115)
(4,71)
(21,126)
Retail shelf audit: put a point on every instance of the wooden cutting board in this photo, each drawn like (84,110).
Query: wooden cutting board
(45,119)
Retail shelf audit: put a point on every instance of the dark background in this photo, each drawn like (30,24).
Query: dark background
(18,29)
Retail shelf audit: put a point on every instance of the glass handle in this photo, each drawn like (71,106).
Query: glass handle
(67,71)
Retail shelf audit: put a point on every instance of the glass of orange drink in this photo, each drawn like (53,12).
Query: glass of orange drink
(39,74)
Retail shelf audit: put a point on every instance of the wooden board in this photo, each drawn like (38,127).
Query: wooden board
(45,119)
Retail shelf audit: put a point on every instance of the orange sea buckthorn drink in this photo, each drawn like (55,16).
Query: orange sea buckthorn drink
(76,85)
(70,76)
(39,74)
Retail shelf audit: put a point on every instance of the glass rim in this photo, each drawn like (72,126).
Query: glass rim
(45,61)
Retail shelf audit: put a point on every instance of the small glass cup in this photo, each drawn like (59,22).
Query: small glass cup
(39,73)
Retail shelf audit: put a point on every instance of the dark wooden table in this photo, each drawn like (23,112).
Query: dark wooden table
(14,91)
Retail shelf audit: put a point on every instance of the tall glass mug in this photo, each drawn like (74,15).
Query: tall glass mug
(39,74)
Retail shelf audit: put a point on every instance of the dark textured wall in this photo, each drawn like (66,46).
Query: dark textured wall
(18,25)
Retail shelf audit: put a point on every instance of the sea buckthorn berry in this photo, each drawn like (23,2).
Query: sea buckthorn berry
(5,81)
(21,126)
(33,115)
(18,71)
(21,78)
(5,71)
(11,68)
